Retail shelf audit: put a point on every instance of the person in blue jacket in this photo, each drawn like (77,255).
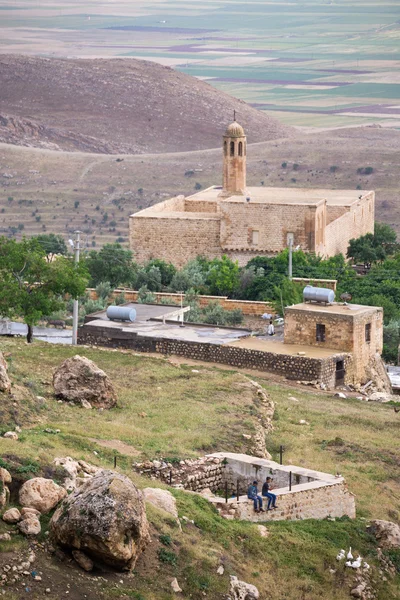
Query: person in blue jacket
(252,493)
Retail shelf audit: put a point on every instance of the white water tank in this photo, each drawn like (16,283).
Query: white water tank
(314,294)
(121,313)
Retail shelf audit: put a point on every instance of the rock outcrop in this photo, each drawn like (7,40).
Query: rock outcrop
(78,471)
(105,518)
(162,499)
(79,380)
(12,515)
(387,533)
(5,383)
(240,590)
(5,478)
(41,494)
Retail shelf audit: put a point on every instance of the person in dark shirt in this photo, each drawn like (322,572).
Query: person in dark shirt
(267,494)
(252,493)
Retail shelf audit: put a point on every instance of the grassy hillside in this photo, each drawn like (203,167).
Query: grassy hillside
(170,411)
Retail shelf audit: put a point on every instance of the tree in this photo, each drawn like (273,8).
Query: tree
(52,244)
(375,247)
(31,287)
(166,269)
(223,276)
(112,263)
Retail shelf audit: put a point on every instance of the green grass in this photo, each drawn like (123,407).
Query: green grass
(190,413)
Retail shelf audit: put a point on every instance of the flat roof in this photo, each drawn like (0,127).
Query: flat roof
(144,312)
(336,308)
(153,213)
(278,346)
(280,195)
(207,334)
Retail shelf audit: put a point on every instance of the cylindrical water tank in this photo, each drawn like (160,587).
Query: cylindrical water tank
(314,294)
(121,313)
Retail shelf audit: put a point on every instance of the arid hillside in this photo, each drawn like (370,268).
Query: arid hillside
(114,106)
(42,190)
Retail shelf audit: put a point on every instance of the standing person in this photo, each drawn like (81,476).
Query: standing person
(271,328)
(252,493)
(267,494)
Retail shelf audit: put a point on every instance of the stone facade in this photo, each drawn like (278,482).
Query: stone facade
(353,329)
(244,222)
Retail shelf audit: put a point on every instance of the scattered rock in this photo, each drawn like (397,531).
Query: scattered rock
(303,422)
(246,436)
(78,379)
(175,586)
(293,398)
(105,518)
(12,515)
(5,383)
(41,494)
(11,435)
(263,531)
(86,404)
(83,561)
(220,570)
(340,395)
(386,532)
(358,592)
(240,590)
(380,397)
(162,499)
(29,512)
(5,537)
(30,526)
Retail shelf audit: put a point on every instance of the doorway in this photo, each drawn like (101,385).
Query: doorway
(340,373)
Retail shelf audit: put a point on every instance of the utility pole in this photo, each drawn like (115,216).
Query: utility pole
(75,314)
(290,239)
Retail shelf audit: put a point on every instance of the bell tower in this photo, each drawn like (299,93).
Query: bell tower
(234,151)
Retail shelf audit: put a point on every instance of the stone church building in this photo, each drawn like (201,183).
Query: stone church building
(243,222)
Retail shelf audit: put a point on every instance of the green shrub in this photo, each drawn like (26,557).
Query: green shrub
(166,556)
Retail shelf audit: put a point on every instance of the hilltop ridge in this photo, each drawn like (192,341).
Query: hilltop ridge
(114,106)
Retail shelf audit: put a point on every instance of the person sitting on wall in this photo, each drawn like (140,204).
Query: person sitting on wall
(252,493)
(267,494)
(271,328)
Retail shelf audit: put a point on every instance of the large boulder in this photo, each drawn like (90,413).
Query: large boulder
(105,518)
(162,499)
(41,494)
(79,380)
(240,590)
(12,515)
(386,533)
(5,478)
(5,383)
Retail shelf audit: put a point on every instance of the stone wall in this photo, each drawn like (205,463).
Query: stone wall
(174,238)
(239,219)
(354,223)
(318,370)
(195,475)
(316,500)
(248,307)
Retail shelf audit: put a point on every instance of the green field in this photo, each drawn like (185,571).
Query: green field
(254,50)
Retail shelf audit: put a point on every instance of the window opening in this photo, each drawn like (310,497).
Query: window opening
(232,148)
(368,332)
(320,333)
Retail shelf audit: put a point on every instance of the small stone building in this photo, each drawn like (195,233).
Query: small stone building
(351,329)
(243,222)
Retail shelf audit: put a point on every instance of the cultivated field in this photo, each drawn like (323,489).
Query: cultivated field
(167,410)
(316,64)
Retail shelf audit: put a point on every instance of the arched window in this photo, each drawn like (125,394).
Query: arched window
(240,150)
(232,148)
(225,148)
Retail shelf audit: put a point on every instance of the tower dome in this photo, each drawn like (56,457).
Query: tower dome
(234,130)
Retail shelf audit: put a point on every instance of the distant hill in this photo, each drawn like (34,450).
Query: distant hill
(114,106)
